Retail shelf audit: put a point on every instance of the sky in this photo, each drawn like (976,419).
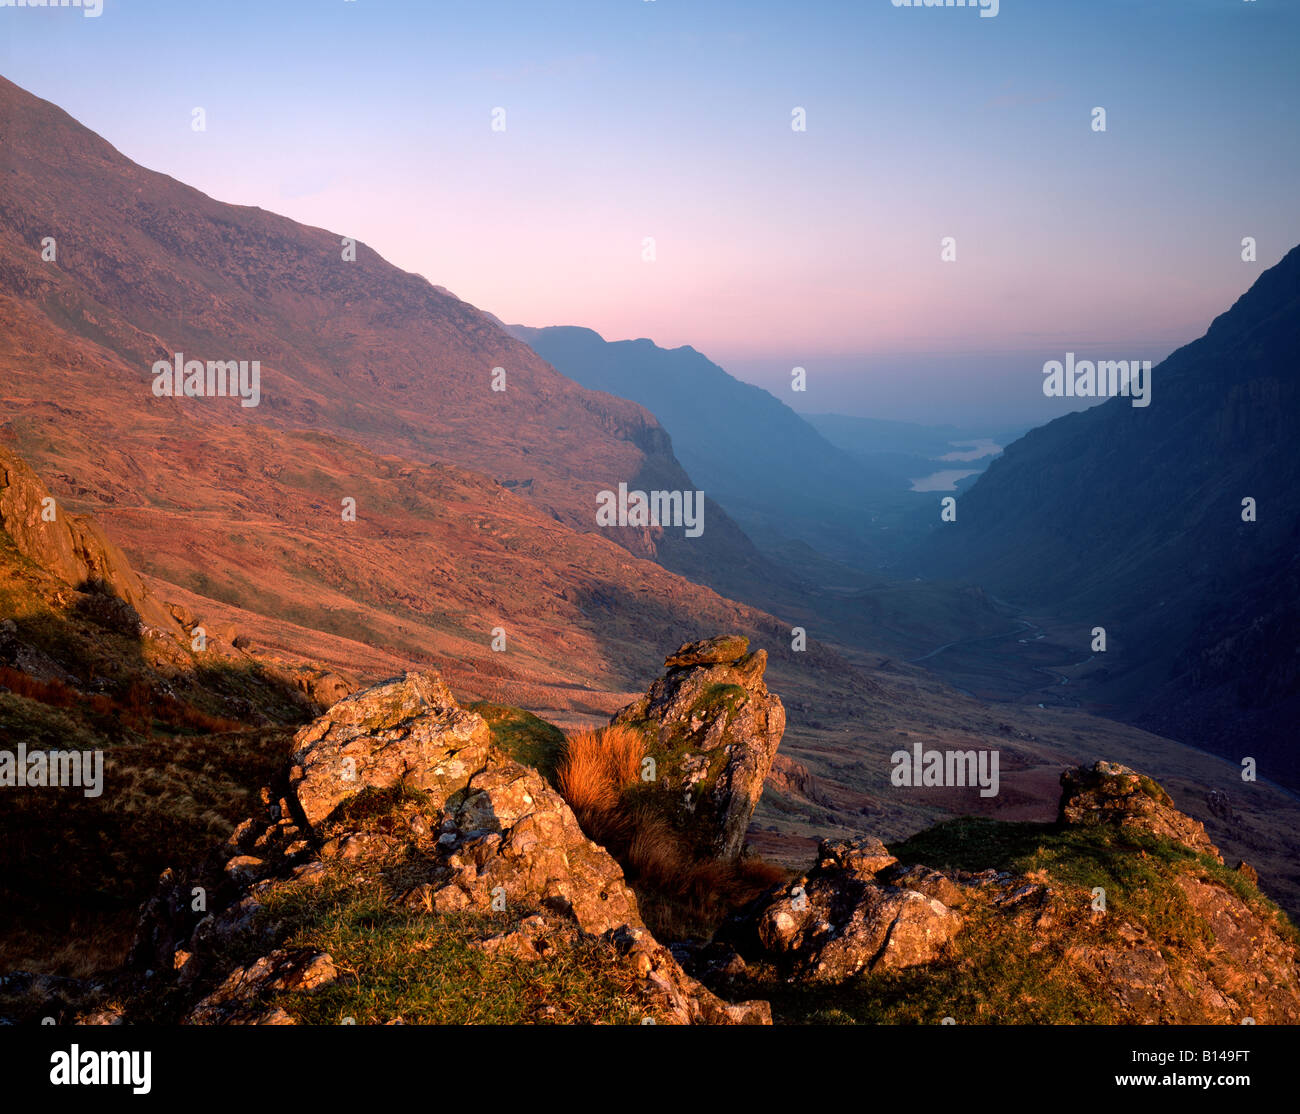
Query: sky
(672,120)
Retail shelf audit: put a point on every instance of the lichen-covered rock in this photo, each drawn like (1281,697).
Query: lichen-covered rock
(449,825)
(864,857)
(838,920)
(1227,957)
(713,730)
(709,651)
(511,836)
(1108,793)
(409,730)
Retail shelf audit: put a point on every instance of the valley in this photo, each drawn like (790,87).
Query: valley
(352,499)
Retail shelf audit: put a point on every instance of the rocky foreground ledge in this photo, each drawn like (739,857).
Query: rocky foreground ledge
(1175,938)
(1121,911)
(463,828)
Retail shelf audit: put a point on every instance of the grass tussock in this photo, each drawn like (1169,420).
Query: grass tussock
(682,892)
(598,766)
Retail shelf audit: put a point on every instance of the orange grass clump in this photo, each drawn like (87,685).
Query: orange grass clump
(598,770)
(598,765)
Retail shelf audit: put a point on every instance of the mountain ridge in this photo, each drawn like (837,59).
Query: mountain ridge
(1135,519)
(812,492)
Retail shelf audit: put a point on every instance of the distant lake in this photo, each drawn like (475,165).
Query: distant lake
(973,450)
(962,451)
(943,481)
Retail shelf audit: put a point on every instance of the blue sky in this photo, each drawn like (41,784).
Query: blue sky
(628,119)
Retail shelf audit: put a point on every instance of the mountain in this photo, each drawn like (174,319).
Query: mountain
(381,507)
(1135,519)
(1234,679)
(836,528)
(145,267)
(473,551)
(724,431)
(107,268)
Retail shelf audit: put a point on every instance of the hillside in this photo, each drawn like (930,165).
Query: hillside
(146,267)
(1131,519)
(92,660)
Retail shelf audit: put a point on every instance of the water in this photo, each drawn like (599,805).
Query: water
(943,481)
(964,451)
(973,450)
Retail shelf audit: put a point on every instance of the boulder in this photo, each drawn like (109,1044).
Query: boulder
(709,651)
(1108,793)
(509,835)
(324,687)
(713,729)
(409,730)
(840,920)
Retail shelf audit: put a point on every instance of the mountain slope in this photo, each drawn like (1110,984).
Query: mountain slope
(474,509)
(146,267)
(724,432)
(1131,519)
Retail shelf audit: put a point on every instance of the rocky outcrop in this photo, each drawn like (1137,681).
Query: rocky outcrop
(235,1000)
(323,687)
(399,784)
(789,776)
(713,730)
(839,919)
(1108,793)
(1186,942)
(412,731)
(70,546)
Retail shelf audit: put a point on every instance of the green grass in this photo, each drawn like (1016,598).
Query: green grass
(717,696)
(1134,868)
(424,968)
(523,736)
